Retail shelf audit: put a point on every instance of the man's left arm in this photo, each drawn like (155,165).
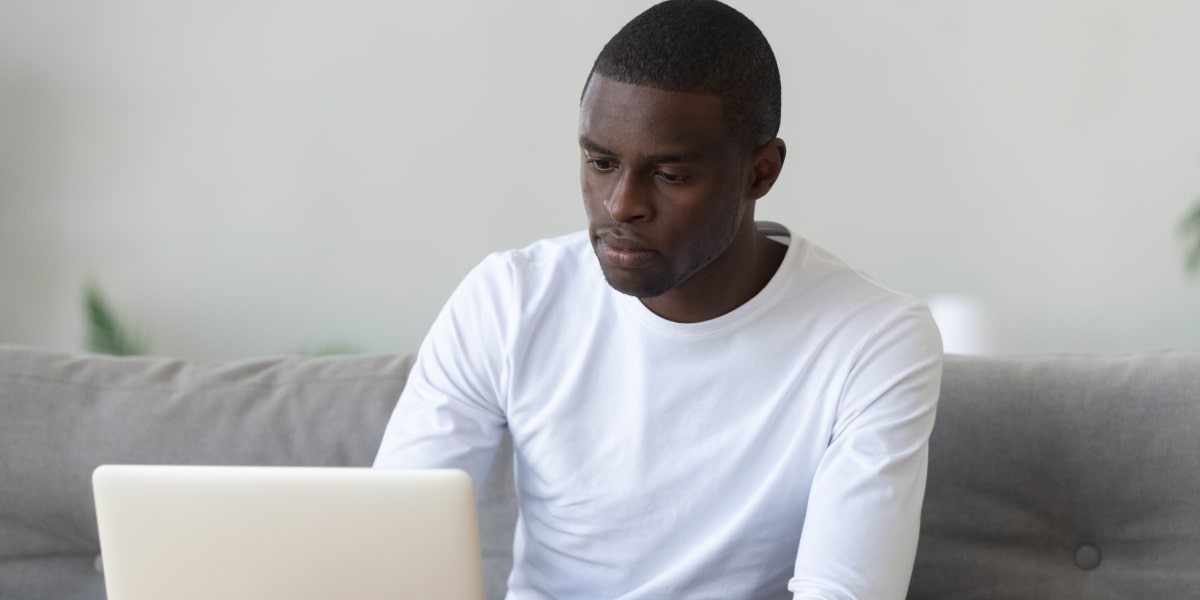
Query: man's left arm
(860,530)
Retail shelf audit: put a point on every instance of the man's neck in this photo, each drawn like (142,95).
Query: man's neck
(729,282)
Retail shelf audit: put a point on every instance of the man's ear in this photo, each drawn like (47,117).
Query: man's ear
(766,165)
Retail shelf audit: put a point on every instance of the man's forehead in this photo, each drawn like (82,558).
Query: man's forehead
(613,110)
(604,96)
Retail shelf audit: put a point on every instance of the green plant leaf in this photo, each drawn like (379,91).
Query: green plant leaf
(106,333)
(1190,227)
(330,348)
(1193,259)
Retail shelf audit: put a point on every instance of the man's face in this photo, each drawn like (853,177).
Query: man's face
(663,183)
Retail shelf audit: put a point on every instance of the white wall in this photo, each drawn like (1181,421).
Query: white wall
(252,177)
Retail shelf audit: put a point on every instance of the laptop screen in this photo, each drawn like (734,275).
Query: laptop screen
(190,532)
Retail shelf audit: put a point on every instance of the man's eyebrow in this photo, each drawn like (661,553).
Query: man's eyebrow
(591,146)
(657,159)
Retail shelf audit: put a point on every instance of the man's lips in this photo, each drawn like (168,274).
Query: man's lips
(624,253)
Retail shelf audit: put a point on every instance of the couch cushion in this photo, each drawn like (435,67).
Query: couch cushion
(1064,477)
(61,415)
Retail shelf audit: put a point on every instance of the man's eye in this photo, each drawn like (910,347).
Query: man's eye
(671,178)
(602,165)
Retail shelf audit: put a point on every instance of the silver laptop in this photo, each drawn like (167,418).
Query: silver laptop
(295,533)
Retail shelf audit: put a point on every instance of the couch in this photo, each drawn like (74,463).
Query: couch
(1055,477)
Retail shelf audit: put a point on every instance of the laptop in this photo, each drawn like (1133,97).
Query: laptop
(295,533)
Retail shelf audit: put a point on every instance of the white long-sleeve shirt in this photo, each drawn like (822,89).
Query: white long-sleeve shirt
(778,448)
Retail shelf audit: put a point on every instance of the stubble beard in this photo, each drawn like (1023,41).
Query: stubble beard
(717,240)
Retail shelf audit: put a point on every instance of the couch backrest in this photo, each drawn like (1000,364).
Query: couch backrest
(1051,477)
(1064,477)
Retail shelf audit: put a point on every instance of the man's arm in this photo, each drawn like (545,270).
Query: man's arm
(860,532)
(451,412)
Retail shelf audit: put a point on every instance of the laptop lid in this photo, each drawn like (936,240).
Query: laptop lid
(295,533)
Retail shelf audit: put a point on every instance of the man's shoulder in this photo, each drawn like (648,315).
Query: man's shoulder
(825,273)
(850,301)
(548,252)
(551,263)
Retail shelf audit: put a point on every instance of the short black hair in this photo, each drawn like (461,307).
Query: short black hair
(705,47)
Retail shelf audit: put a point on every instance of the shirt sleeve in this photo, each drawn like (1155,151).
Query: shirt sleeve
(860,530)
(451,413)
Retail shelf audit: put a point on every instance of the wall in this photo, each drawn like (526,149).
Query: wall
(256,177)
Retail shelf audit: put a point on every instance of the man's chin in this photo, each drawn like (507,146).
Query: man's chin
(636,287)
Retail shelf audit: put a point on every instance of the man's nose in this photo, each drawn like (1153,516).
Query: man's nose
(630,200)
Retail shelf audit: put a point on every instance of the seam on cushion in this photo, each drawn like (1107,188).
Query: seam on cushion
(52,532)
(214,384)
(88,555)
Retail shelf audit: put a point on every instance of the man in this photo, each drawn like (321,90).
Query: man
(698,410)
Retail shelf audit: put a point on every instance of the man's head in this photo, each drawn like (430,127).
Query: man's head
(701,47)
(677,133)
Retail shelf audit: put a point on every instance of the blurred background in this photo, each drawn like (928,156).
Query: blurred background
(263,177)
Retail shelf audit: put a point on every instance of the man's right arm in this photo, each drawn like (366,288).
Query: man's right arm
(451,412)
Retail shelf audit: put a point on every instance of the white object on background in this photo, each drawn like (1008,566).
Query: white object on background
(965,324)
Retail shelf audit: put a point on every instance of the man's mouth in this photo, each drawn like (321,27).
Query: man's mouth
(623,253)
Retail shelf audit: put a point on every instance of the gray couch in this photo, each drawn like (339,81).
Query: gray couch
(1050,477)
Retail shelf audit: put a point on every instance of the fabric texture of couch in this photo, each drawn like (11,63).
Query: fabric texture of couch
(1050,477)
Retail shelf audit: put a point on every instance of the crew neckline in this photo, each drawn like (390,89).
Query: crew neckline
(752,307)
